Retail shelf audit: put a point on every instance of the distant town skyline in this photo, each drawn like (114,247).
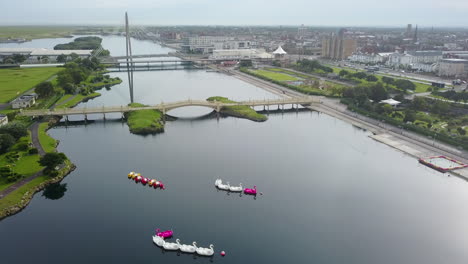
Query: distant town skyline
(399,13)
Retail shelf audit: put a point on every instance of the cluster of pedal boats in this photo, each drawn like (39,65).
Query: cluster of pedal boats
(143,180)
(159,240)
(227,187)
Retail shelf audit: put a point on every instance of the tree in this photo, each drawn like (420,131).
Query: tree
(343,73)
(44,89)
(14,129)
(6,142)
(378,92)
(52,160)
(440,107)
(410,116)
(387,80)
(74,56)
(64,78)
(371,78)
(405,84)
(45,59)
(461,131)
(62,58)
(360,75)
(420,103)
(69,88)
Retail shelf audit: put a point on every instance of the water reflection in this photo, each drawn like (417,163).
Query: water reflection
(55,191)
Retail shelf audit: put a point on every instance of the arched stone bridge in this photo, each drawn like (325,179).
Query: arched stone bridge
(165,107)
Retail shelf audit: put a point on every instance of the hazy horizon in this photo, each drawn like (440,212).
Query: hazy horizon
(359,13)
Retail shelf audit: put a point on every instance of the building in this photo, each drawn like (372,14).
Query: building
(3,120)
(369,58)
(409,29)
(24,101)
(337,47)
(204,44)
(416,60)
(239,54)
(453,68)
(35,55)
(279,53)
(52,55)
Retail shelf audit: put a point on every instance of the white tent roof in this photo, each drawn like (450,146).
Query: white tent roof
(390,102)
(279,50)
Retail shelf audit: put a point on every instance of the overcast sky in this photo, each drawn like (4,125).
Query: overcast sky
(237,12)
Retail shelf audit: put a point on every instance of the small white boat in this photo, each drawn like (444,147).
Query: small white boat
(170,246)
(222,186)
(159,241)
(186,248)
(236,188)
(205,251)
(217,182)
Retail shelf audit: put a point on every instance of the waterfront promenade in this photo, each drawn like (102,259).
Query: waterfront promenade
(413,144)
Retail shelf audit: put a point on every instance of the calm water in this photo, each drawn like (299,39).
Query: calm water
(330,193)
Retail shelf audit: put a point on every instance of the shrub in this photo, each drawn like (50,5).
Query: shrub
(33,151)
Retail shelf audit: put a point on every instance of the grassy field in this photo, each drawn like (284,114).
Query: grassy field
(47,142)
(26,165)
(241,111)
(76,100)
(16,196)
(35,32)
(14,82)
(276,75)
(144,121)
(300,75)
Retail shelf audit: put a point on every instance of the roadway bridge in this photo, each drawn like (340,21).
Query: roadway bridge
(165,107)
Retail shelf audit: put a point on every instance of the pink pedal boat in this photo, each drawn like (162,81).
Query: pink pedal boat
(251,191)
(164,234)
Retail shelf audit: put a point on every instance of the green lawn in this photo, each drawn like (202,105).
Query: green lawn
(47,142)
(300,75)
(77,100)
(144,121)
(241,111)
(14,82)
(26,165)
(34,32)
(16,196)
(275,75)
(65,97)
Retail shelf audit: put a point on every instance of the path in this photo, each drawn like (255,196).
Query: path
(63,102)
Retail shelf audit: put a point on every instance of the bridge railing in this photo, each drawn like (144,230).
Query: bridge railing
(166,106)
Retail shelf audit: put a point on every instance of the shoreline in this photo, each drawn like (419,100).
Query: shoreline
(404,141)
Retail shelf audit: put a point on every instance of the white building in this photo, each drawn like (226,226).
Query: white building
(453,68)
(207,44)
(417,60)
(238,54)
(24,101)
(52,55)
(3,120)
(33,54)
(373,58)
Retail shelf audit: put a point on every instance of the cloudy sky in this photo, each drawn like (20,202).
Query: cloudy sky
(237,12)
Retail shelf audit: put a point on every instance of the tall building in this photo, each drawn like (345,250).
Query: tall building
(301,31)
(409,28)
(338,47)
(415,37)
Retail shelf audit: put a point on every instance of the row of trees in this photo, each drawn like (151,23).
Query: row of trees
(10,133)
(305,65)
(75,72)
(401,84)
